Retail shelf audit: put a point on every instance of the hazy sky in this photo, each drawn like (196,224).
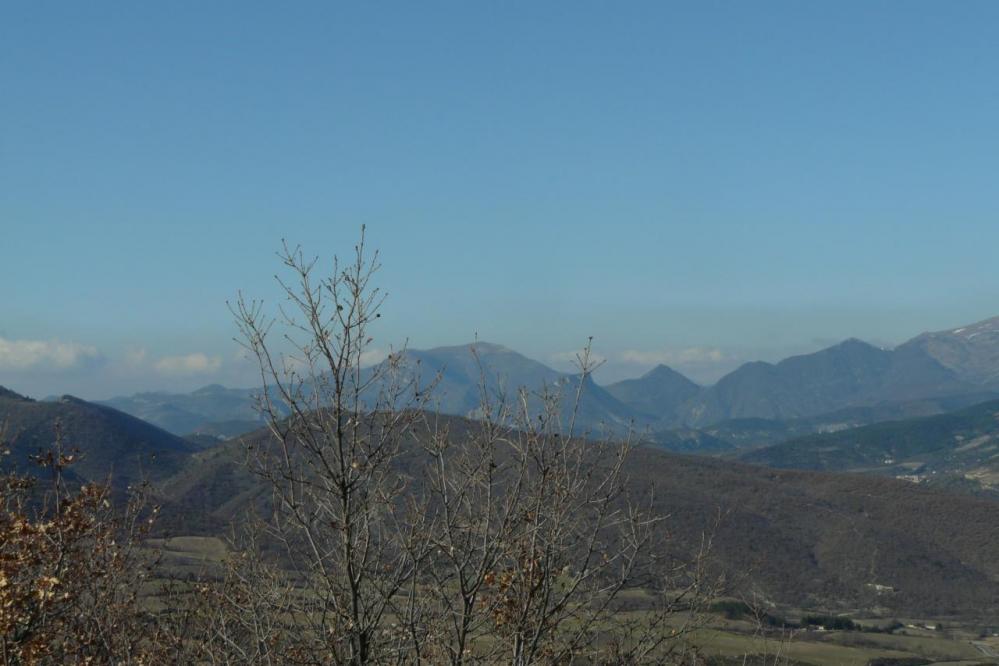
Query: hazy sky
(697,183)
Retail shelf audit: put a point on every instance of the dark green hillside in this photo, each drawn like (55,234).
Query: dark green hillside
(958,450)
(109,441)
(749,433)
(963,444)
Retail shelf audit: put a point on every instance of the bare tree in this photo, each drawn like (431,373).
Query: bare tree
(338,428)
(418,538)
(535,537)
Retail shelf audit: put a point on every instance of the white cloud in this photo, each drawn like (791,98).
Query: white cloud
(373,356)
(25,354)
(675,356)
(190,364)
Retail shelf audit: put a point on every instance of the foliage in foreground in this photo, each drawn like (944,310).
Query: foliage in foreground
(71,571)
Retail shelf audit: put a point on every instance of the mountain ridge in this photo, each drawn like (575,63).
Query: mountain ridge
(849,374)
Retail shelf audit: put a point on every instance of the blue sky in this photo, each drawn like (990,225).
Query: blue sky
(698,183)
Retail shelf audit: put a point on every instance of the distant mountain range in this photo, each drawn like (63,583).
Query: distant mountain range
(457,371)
(852,375)
(848,374)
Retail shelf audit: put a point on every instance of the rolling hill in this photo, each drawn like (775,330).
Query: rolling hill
(108,441)
(802,538)
(808,539)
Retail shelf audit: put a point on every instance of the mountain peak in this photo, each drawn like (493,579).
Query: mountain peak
(657,393)
(661,369)
(489,347)
(852,347)
(480,347)
(856,344)
(664,372)
(211,388)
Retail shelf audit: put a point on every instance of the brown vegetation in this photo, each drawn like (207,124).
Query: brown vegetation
(70,571)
